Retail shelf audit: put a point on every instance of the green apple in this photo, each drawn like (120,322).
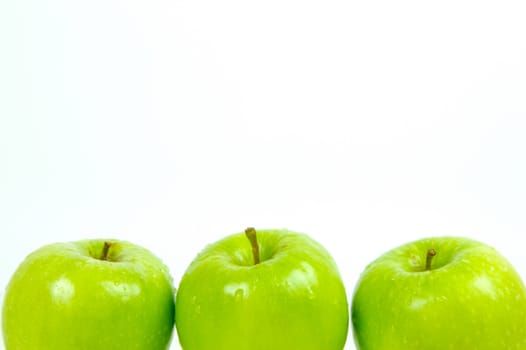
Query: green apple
(440,293)
(280,290)
(91,294)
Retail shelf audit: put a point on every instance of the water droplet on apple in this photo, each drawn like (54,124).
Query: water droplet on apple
(238,295)
(237,290)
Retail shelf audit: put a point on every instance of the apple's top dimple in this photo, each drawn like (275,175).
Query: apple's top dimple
(104,250)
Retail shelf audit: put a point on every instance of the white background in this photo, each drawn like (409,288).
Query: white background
(365,124)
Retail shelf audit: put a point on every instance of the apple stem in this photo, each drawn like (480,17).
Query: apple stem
(105,250)
(430,254)
(252,237)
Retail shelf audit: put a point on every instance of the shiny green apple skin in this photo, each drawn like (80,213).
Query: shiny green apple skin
(470,298)
(63,297)
(293,299)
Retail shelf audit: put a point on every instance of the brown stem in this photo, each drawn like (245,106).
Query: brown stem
(105,250)
(252,237)
(430,254)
